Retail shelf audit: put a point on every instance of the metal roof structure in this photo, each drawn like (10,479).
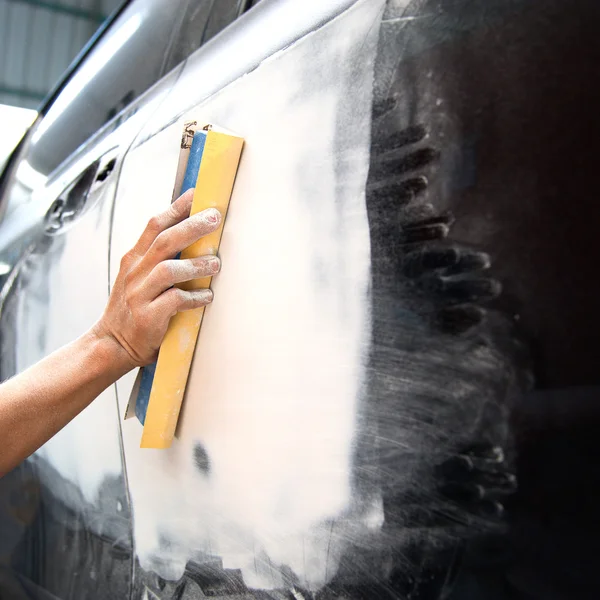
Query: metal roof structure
(38,41)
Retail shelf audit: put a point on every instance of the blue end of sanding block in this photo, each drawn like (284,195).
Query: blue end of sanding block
(189,181)
(141,402)
(194,160)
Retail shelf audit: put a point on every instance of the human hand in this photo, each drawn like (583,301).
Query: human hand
(143,299)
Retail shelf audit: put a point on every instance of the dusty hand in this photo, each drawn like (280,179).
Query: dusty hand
(143,299)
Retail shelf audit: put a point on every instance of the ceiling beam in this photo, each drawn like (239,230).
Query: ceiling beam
(57,7)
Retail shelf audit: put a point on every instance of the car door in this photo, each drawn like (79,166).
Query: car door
(345,430)
(254,495)
(73,540)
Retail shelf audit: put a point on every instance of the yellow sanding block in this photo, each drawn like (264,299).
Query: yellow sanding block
(214,184)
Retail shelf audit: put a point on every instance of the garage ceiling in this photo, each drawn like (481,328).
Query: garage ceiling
(38,41)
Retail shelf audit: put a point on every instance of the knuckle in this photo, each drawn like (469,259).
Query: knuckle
(130,296)
(181,207)
(172,212)
(162,244)
(154,224)
(170,296)
(178,300)
(182,296)
(164,271)
(126,261)
(186,197)
(128,280)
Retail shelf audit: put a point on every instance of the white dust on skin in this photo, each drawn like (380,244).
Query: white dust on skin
(280,364)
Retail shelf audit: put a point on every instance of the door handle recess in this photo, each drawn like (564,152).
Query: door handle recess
(72,202)
(106,170)
(54,217)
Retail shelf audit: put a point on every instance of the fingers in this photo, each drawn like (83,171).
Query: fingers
(143,298)
(178,237)
(176,300)
(177,212)
(170,272)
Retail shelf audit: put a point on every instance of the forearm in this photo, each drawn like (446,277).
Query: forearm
(40,401)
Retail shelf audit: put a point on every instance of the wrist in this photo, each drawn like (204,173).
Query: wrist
(110,354)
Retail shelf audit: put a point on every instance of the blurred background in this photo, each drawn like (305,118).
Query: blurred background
(38,41)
